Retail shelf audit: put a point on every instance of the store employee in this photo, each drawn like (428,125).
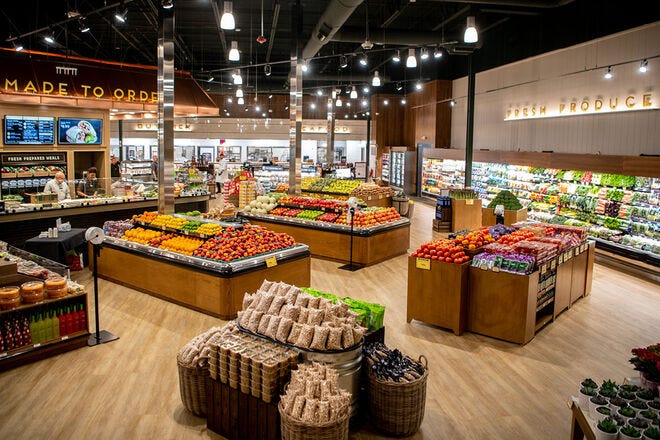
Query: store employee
(58,186)
(89,186)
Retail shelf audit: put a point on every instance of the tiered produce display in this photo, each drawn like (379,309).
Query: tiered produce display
(624,210)
(329,185)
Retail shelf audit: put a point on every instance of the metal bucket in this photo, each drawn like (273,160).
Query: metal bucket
(348,365)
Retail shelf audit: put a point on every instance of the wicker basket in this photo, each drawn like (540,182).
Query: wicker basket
(295,430)
(193,383)
(397,408)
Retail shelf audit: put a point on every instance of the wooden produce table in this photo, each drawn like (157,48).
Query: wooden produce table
(369,247)
(438,295)
(217,293)
(465,214)
(580,426)
(510,217)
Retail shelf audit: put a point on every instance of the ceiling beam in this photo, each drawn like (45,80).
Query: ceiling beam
(273,29)
(217,15)
(516,3)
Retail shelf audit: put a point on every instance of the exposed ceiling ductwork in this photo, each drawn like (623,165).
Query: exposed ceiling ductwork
(390,37)
(335,15)
(514,3)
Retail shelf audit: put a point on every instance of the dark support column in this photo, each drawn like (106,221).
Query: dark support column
(469,135)
(121,140)
(368,148)
(330,144)
(166,111)
(295,98)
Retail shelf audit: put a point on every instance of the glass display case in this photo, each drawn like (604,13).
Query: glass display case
(23,174)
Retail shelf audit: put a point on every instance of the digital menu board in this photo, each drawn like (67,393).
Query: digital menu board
(29,130)
(79,131)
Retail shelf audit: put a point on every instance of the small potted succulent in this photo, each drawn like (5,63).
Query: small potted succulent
(617,403)
(652,433)
(607,392)
(654,404)
(606,429)
(645,395)
(586,393)
(629,432)
(602,412)
(627,395)
(639,404)
(588,383)
(648,414)
(595,402)
(629,387)
(639,423)
(627,412)
(609,384)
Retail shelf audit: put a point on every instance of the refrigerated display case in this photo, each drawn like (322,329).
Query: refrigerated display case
(23,173)
(402,171)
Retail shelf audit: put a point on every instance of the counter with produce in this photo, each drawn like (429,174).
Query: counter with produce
(210,263)
(378,233)
(367,193)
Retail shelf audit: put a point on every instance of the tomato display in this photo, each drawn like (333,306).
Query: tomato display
(515,237)
(442,250)
(249,241)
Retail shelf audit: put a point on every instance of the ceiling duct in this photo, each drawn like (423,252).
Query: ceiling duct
(514,3)
(390,37)
(332,19)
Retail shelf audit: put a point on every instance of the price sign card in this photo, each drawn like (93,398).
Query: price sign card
(271,261)
(423,263)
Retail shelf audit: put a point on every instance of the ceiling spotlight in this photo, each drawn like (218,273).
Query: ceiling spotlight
(238,79)
(353,93)
(452,102)
(305,66)
(120,15)
(608,74)
(365,89)
(403,101)
(319,92)
(437,53)
(363,60)
(233,52)
(82,26)
(411,61)
(386,102)
(312,106)
(364,103)
(268,70)
(418,86)
(211,78)
(49,38)
(424,53)
(18,46)
(397,56)
(263,115)
(399,86)
(338,103)
(375,81)
(345,116)
(257,108)
(227,21)
(246,109)
(230,100)
(470,35)
(644,66)
(167,4)
(354,115)
(343,61)
(348,104)
(239,92)
(241,101)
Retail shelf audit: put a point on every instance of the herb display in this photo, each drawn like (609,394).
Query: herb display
(507,199)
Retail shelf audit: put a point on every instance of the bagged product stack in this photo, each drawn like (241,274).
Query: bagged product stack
(284,313)
(314,407)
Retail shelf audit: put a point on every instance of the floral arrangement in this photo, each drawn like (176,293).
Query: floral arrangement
(647,360)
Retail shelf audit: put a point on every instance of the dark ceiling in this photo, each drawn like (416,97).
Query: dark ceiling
(509,30)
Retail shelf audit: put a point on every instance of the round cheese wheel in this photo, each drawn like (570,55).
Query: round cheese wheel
(9,292)
(55,283)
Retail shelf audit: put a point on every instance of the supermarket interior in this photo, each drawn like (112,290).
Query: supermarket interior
(330,220)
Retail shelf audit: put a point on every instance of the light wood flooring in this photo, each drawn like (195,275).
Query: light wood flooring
(479,388)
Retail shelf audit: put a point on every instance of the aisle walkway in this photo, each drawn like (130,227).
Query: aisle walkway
(479,388)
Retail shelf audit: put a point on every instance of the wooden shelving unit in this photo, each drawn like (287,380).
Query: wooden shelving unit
(465,214)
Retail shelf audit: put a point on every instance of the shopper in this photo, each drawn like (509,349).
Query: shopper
(154,168)
(220,171)
(58,185)
(89,186)
(115,171)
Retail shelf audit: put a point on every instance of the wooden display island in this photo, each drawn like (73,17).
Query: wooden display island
(510,217)
(465,214)
(501,305)
(369,246)
(210,291)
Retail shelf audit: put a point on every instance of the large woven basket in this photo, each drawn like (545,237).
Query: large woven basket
(397,408)
(292,429)
(193,384)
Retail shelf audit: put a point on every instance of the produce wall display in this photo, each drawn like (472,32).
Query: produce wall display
(624,210)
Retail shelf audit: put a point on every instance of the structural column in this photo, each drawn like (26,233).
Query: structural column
(469,135)
(166,111)
(330,145)
(295,98)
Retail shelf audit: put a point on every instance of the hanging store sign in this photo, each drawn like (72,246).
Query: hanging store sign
(586,106)
(154,127)
(321,129)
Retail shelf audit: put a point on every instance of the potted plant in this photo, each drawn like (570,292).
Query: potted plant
(654,404)
(602,412)
(606,429)
(629,432)
(647,361)
(627,412)
(652,433)
(629,387)
(586,393)
(588,383)
(617,403)
(609,384)
(627,395)
(648,414)
(645,394)
(595,402)
(638,423)
(607,392)
(639,404)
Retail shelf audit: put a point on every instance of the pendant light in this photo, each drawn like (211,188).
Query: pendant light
(241,101)
(363,60)
(268,70)
(397,56)
(411,61)
(644,66)
(470,35)
(338,103)
(375,81)
(353,93)
(608,74)
(319,92)
(343,61)
(227,21)
(49,38)
(233,52)
(424,53)
(239,92)
(418,85)
(437,53)
(18,46)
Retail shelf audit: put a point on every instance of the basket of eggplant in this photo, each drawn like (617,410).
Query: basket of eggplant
(396,389)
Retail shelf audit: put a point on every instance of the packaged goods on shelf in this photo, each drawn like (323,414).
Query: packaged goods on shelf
(371,190)
(284,313)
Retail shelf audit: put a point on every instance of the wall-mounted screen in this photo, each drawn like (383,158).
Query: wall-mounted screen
(29,130)
(79,131)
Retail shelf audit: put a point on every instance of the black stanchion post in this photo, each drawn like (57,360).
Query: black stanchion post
(350,266)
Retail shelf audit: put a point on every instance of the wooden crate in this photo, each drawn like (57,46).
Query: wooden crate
(510,217)
(441,226)
(465,214)
(239,416)
(439,295)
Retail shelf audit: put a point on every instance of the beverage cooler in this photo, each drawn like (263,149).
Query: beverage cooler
(402,170)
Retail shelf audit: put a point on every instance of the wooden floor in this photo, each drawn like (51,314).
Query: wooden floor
(479,388)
